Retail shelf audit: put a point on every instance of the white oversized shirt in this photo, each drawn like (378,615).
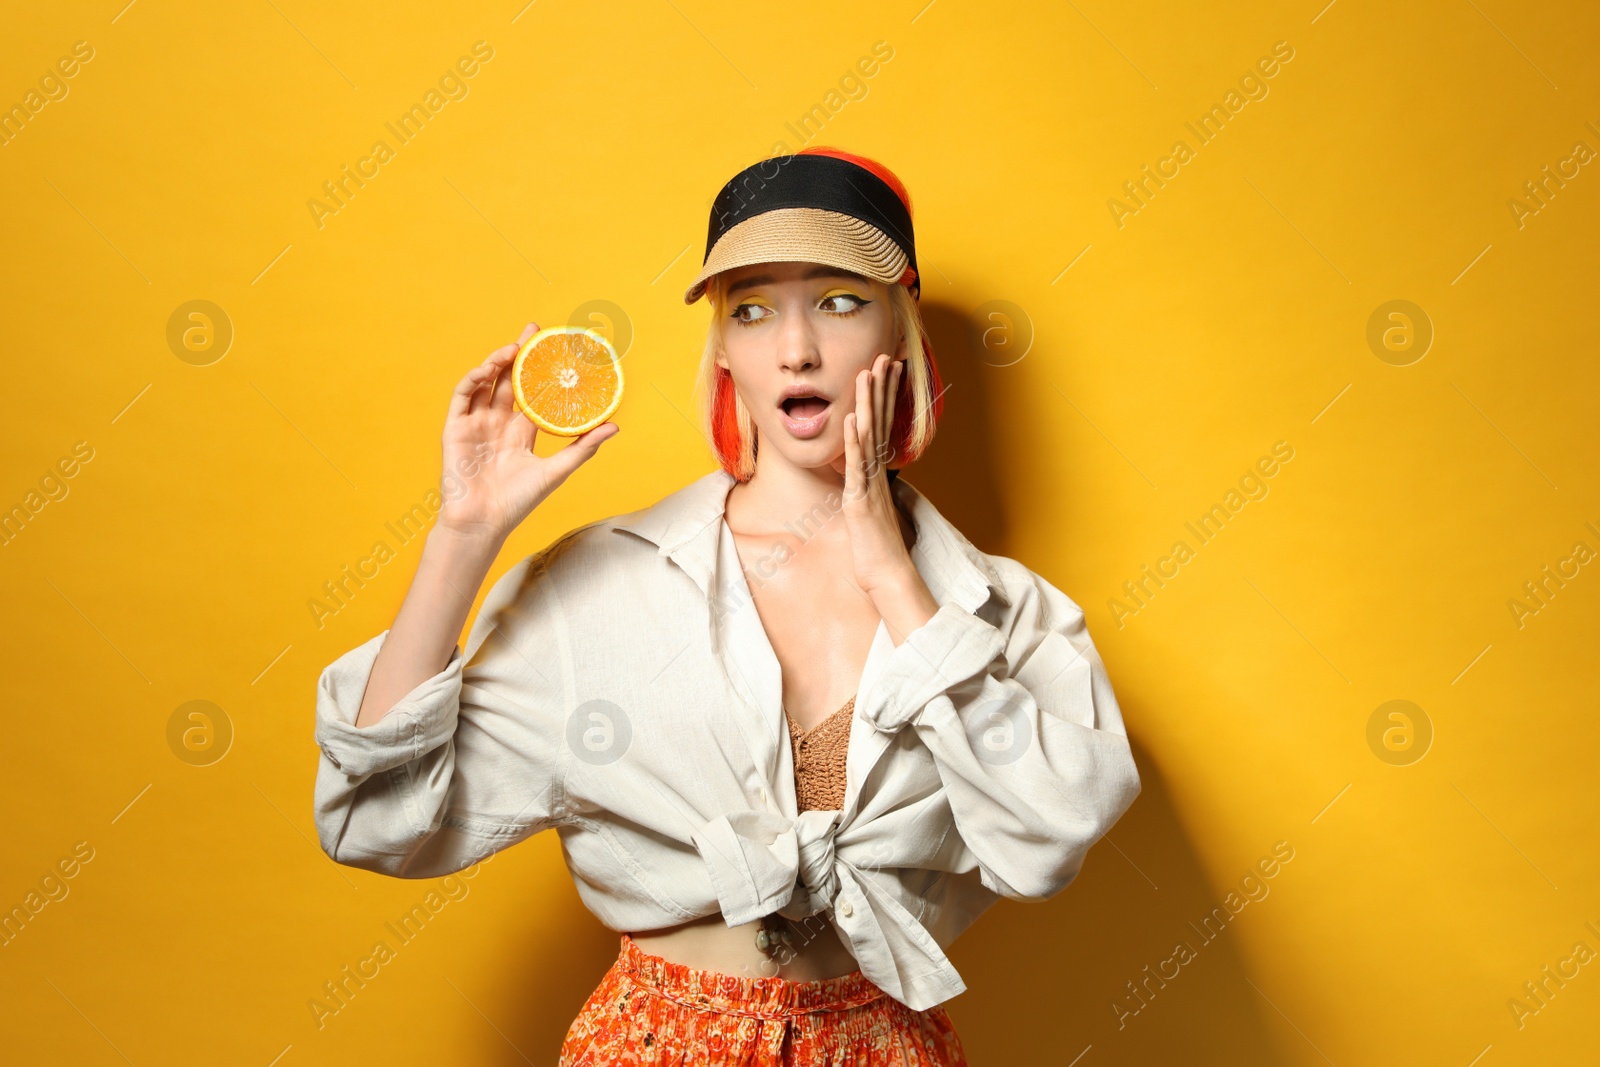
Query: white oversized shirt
(619,687)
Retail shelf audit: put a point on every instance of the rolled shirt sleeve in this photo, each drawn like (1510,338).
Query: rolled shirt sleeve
(466,764)
(422,721)
(1025,730)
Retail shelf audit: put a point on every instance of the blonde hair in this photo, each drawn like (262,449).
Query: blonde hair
(727,424)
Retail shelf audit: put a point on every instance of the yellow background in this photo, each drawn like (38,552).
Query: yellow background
(1229,313)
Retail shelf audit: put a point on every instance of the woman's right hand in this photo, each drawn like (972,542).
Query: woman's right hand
(492,479)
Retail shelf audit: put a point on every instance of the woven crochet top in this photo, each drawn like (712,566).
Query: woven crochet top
(819,760)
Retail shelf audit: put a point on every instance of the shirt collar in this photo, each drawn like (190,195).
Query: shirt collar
(685,525)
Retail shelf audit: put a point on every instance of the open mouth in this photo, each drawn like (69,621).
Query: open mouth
(804,407)
(804,413)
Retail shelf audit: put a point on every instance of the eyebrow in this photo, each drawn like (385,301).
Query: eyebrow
(819,271)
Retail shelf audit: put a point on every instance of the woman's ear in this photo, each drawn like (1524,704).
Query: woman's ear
(721,360)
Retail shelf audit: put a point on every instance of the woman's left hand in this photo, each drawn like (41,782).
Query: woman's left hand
(883,567)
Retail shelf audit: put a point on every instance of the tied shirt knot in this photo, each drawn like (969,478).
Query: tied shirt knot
(762,862)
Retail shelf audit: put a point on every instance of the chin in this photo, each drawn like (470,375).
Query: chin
(807,454)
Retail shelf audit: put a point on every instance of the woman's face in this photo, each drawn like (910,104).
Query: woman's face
(794,338)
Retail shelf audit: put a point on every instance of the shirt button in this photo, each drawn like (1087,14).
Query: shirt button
(845,909)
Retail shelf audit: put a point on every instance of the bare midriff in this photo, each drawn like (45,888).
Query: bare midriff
(711,944)
(813,949)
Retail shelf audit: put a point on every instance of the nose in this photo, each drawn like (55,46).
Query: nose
(797,343)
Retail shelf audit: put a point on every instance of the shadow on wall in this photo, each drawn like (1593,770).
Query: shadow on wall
(960,470)
(1044,980)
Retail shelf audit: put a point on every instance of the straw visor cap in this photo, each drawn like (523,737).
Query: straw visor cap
(806,235)
(811,207)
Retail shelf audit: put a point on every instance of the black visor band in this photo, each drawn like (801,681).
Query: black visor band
(813,182)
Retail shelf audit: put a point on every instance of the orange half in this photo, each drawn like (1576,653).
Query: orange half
(567,380)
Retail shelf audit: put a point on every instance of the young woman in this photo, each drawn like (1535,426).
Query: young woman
(795,731)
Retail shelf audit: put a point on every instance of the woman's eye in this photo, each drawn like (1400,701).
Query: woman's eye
(738,312)
(852,303)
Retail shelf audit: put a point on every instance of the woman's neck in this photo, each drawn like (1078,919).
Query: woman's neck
(778,492)
(778,496)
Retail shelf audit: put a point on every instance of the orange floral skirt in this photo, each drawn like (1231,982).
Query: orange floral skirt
(648,1010)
